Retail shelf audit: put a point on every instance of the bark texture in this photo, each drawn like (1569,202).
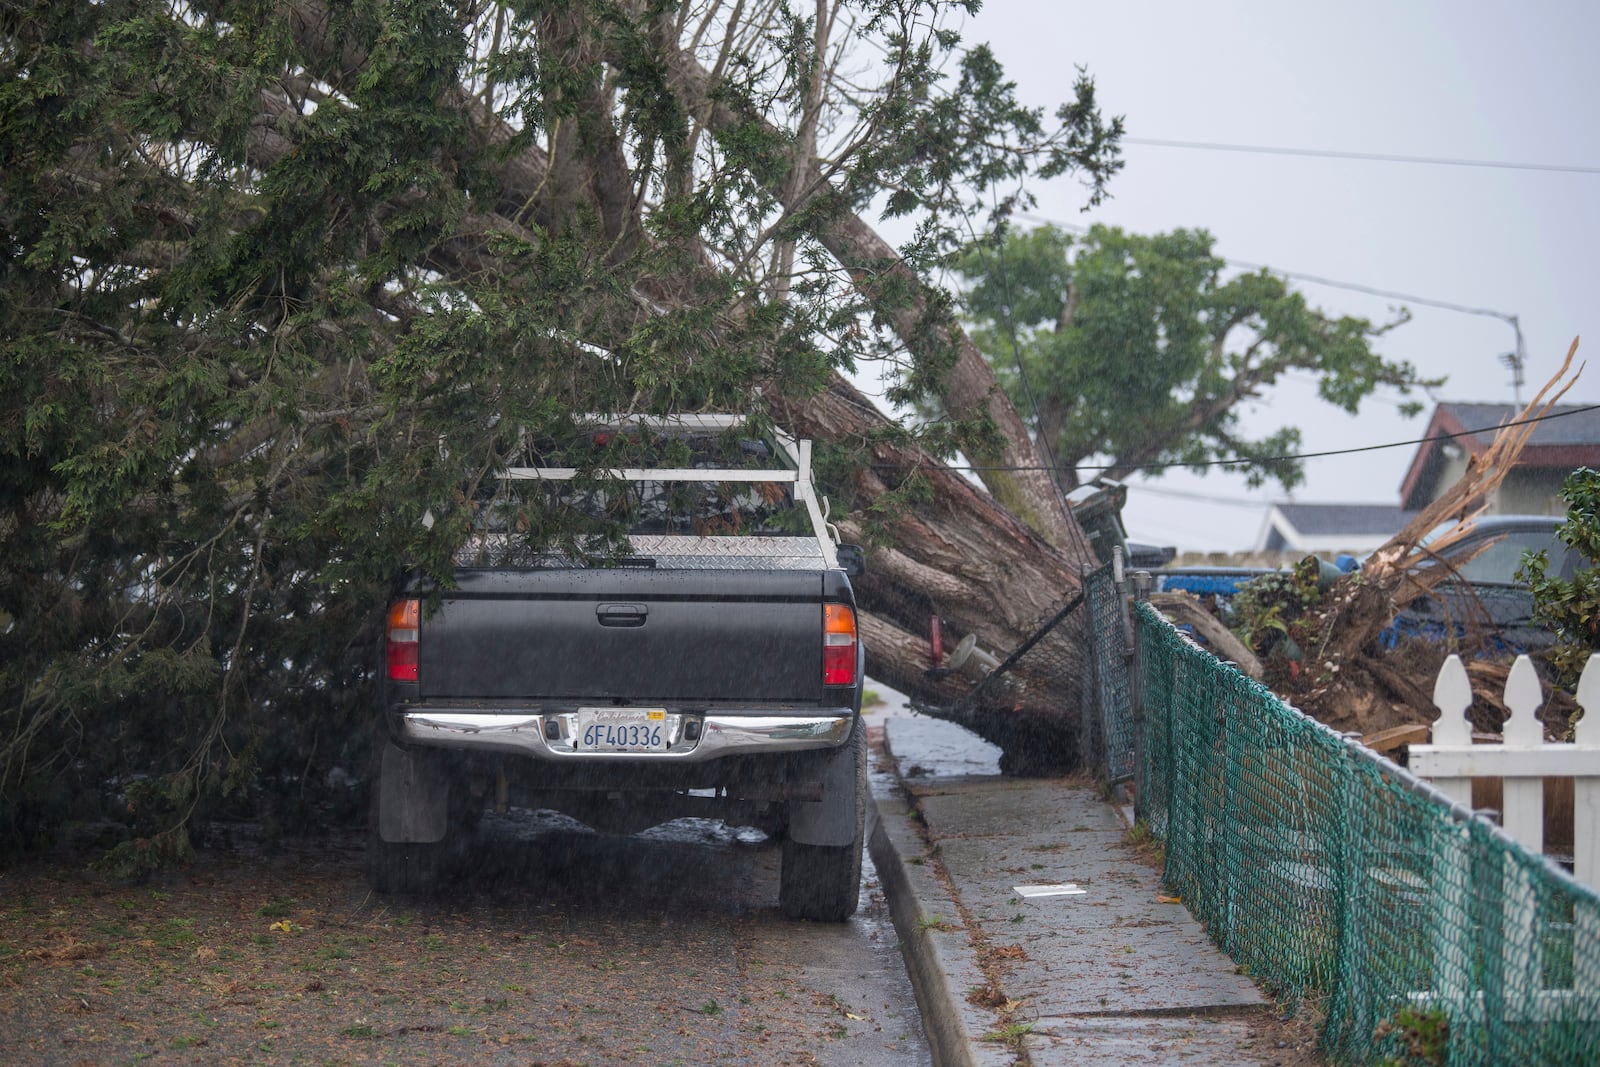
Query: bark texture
(964,558)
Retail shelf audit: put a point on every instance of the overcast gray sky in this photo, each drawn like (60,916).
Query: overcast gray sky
(1492,81)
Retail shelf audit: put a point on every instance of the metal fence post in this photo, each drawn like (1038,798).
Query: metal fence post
(1143,583)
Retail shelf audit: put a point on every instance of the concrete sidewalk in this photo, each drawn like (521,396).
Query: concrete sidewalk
(1105,974)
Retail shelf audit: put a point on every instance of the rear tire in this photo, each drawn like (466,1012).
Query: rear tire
(823,882)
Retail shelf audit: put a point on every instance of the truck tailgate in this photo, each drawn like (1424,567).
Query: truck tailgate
(626,634)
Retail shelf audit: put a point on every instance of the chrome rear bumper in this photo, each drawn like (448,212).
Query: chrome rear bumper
(691,738)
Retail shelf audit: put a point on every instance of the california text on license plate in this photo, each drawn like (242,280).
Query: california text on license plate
(622,729)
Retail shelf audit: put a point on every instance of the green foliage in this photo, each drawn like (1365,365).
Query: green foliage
(279,281)
(1570,607)
(1266,610)
(1424,1033)
(1139,349)
(139,857)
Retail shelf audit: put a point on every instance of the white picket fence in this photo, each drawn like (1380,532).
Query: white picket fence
(1522,759)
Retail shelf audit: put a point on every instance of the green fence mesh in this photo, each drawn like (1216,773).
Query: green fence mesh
(1425,934)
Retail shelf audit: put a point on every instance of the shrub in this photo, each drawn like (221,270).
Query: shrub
(1571,606)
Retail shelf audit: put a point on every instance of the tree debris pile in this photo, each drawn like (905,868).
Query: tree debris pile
(1318,636)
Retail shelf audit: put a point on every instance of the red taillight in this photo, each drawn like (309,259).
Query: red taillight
(404,620)
(838,645)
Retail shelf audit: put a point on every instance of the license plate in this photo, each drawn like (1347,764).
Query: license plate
(621,730)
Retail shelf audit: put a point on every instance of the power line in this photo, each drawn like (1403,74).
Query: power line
(1466,309)
(1515,359)
(1265,459)
(1505,316)
(1378,157)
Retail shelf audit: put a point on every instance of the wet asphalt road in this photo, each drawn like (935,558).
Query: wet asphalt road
(667,948)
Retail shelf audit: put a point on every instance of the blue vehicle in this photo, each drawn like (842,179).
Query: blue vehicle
(1203,581)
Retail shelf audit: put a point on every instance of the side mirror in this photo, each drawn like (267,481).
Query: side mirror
(852,560)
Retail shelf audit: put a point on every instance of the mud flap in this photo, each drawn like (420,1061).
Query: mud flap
(835,820)
(413,796)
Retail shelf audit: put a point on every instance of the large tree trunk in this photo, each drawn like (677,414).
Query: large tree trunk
(1015,472)
(970,562)
(997,566)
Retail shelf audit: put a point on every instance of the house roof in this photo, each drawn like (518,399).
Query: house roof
(1329,527)
(1567,437)
(1382,519)
(1565,424)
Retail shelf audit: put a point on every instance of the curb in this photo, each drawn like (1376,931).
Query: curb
(940,959)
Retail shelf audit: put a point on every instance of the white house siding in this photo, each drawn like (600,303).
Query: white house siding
(1530,492)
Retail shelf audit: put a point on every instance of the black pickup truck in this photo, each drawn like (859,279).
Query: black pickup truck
(713,669)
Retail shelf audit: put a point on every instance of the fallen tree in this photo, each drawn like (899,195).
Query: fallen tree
(282,282)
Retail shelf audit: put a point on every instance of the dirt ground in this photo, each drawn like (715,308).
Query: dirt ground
(281,956)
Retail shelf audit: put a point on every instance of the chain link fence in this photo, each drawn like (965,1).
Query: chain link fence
(1424,934)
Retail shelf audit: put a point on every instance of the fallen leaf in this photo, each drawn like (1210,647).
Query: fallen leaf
(1169,900)
(69,949)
